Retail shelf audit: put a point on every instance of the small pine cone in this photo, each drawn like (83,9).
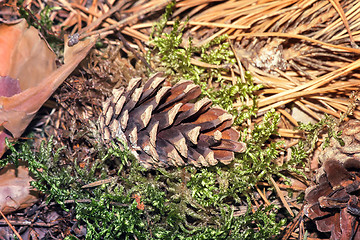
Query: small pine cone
(351,149)
(162,127)
(333,203)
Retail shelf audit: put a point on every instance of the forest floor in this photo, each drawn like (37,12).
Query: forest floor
(285,70)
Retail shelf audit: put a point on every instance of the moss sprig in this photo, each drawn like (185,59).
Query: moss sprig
(328,124)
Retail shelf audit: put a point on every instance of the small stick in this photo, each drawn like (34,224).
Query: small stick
(206,24)
(267,203)
(288,35)
(282,198)
(96,23)
(138,56)
(126,21)
(11,226)
(97,183)
(291,226)
(48,31)
(28,223)
(283,185)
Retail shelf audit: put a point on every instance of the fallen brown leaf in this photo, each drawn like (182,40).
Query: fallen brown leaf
(15,189)
(26,57)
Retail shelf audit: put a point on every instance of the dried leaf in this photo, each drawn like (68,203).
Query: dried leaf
(9,86)
(27,58)
(15,189)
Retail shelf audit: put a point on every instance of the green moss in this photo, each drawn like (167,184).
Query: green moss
(175,60)
(110,211)
(327,123)
(184,203)
(43,22)
(174,208)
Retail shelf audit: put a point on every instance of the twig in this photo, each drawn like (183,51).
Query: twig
(291,226)
(43,28)
(28,223)
(282,198)
(11,226)
(127,20)
(282,186)
(288,35)
(207,24)
(137,55)
(267,203)
(98,183)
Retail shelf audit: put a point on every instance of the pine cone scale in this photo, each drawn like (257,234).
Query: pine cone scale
(133,99)
(223,156)
(190,110)
(132,132)
(190,131)
(119,105)
(182,92)
(211,140)
(141,116)
(152,86)
(123,119)
(177,139)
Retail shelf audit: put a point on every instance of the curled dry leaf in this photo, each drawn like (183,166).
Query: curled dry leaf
(15,189)
(163,127)
(28,75)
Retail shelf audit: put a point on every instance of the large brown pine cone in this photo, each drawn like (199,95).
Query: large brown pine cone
(162,127)
(334,202)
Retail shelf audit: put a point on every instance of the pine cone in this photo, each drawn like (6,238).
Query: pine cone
(334,202)
(162,127)
(351,149)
